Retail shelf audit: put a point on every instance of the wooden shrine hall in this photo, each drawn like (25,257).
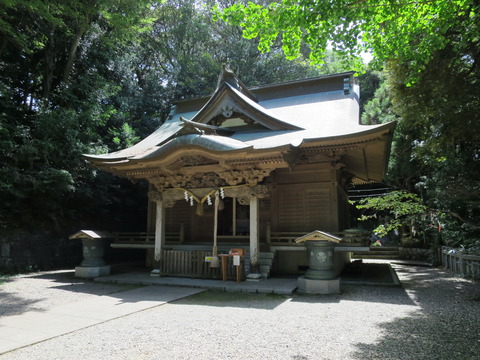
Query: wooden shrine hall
(253,169)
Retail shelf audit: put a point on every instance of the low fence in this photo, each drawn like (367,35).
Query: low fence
(461,264)
(191,263)
(186,264)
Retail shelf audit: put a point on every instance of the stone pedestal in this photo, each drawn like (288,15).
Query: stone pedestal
(93,251)
(93,264)
(320,260)
(92,272)
(321,277)
(309,286)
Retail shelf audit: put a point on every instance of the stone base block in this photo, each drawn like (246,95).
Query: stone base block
(155,272)
(254,277)
(92,271)
(309,286)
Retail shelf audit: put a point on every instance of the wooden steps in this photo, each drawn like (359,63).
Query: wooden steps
(378,252)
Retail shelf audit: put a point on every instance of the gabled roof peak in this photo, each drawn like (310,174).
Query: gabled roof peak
(229,77)
(232,97)
(192,127)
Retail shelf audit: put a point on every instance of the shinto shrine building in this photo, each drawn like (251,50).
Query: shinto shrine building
(253,169)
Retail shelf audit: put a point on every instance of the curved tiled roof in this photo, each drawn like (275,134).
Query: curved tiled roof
(321,112)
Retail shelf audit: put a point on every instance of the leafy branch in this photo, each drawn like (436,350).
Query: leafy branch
(402,207)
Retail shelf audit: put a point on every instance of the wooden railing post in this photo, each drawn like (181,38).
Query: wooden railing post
(254,239)
(181,234)
(269,233)
(159,230)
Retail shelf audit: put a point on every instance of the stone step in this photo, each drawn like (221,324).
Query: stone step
(378,257)
(265,271)
(265,261)
(379,253)
(373,253)
(266,255)
(268,262)
(264,268)
(383,248)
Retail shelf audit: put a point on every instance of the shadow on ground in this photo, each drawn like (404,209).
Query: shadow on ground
(11,304)
(364,293)
(19,294)
(446,326)
(229,299)
(448,336)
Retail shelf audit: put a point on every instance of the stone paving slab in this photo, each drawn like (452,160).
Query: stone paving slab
(31,327)
(374,274)
(283,286)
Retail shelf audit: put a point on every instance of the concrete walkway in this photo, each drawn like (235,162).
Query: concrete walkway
(32,327)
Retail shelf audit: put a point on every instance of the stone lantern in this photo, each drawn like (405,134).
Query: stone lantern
(320,278)
(94,244)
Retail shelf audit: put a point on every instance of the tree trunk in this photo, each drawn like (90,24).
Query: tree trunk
(49,63)
(73,51)
(3,44)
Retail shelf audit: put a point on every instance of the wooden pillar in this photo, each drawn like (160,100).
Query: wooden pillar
(234,216)
(151,210)
(215,224)
(269,234)
(334,205)
(254,237)
(159,233)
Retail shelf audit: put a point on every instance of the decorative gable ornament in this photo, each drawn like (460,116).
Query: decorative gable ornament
(318,236)
(227,111)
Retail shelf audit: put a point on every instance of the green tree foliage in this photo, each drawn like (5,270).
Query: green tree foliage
(435,148)
(433,45)
(55,91)
(95,76)
(379,109)
(197,46)
(369,83)
(401,209)
(410,31)
(440,125)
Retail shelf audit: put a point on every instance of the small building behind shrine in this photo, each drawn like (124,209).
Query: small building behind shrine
(253,169)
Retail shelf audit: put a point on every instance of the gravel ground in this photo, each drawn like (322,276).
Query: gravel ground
(37,291)
(433,316)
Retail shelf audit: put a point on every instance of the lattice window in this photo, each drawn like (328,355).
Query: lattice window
(304,210)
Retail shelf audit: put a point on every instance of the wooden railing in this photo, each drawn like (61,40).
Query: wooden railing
(191,263)
(460,263)
(187,264)
(145,239)
(233,238)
